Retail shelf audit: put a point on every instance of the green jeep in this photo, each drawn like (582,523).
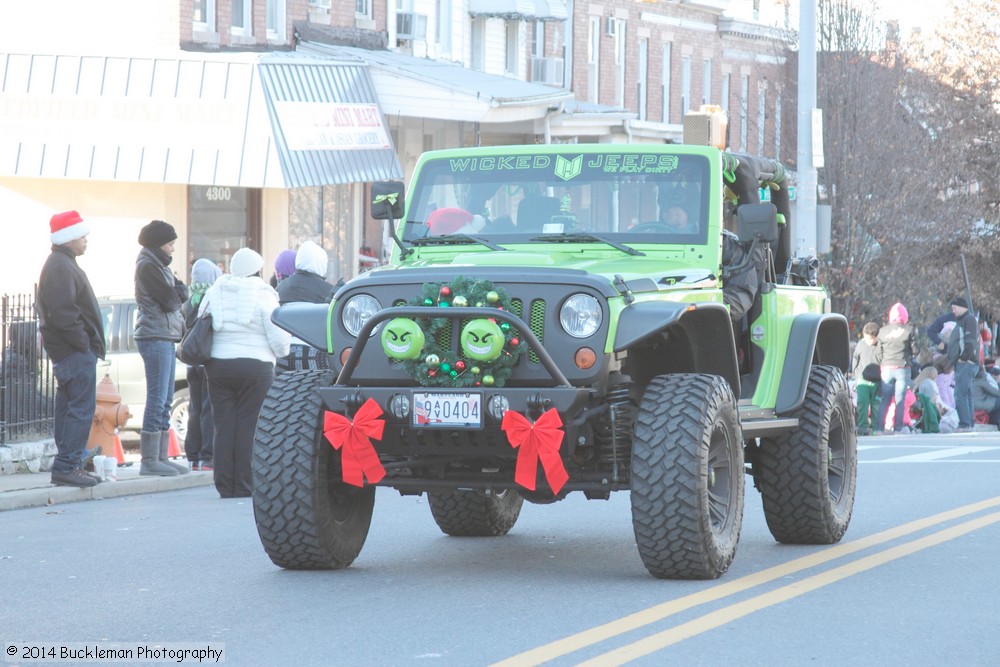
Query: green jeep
(561,318)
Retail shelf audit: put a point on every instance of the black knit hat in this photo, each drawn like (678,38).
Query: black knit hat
(156,234)
(960,302)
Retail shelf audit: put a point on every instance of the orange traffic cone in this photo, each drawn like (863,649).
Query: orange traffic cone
(173,449)
(119,451)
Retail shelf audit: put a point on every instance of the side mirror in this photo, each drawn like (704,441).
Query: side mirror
(757,222)
(388,200)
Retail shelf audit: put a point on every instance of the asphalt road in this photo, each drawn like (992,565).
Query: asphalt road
(914,582)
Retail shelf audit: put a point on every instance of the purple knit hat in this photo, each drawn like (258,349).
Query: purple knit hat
(284,265)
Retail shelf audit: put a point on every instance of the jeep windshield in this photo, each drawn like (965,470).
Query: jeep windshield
(526,195)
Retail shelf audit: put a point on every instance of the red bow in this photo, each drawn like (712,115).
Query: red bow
(540,440)
(358,458)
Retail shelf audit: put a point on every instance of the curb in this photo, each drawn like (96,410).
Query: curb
(56,495)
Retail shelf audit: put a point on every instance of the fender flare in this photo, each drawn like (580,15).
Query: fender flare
(707,325)
(306,321)
(823,339)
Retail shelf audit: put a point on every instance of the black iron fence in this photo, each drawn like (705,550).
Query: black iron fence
(27,386)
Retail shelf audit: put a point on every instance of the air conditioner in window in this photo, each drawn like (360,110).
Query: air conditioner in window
(547,70)
(611,26)
(411,26)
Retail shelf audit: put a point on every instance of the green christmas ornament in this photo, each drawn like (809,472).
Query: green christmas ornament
(446,367)
(492,296)
(459,301)
(482,340)
(488,380)
(476,370)
(402,339)
(428,301)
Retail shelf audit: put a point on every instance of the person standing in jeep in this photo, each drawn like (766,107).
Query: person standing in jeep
(73,337)
(158,327)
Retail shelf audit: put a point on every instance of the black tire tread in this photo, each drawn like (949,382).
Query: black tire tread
(794,473)
(670,514)
(306,518)
(472,514)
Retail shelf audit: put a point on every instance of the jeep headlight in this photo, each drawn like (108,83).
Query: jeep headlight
(358,310)
(581,316)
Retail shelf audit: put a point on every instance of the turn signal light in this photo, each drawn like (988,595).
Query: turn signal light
(346,352)
(585,358)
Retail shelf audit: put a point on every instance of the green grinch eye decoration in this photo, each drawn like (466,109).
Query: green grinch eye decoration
(402,339)
(482,340)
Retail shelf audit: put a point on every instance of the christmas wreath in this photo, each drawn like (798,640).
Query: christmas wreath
(486,353)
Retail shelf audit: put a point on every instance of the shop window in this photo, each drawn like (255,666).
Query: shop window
(221,220)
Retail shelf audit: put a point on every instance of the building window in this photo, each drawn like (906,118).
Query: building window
(641,78)
(777,127)
(761,117)
(619,42)
(724,97)
(706,82)
(204,15)
(443,26)
(242,19)
(538,43)
(594,60)
(685,85)
(478,44)
(513,29)
(362,9)
(665,81)
(744,110)
(276,20)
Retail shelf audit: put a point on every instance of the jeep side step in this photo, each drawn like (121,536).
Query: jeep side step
(759,423)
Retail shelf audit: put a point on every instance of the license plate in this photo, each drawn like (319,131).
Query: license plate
(447,410)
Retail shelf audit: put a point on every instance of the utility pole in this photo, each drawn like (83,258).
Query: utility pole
(809,134)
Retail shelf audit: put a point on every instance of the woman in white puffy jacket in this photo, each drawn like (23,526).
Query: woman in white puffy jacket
(245,345)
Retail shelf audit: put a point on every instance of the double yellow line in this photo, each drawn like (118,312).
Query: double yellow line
(660,640)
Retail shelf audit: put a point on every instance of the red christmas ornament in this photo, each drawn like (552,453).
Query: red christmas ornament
(445,290)
(514,342)
(431,372)
(459,366)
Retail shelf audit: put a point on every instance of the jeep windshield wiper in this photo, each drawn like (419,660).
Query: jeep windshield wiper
(577,237)
(455,239)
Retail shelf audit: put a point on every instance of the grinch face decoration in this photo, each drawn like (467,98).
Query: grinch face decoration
(402,339)
(482,340)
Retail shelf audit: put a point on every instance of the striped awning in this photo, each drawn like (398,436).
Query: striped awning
(520,10)
(240,120)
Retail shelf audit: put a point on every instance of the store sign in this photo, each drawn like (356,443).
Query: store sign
(311,126)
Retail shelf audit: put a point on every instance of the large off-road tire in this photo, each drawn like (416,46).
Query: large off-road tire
(473,514)
(307,517)
(808,476)
(687,477)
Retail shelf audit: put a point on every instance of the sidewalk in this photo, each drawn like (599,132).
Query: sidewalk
(25,480)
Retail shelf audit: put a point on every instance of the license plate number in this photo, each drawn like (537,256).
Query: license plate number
(447,410)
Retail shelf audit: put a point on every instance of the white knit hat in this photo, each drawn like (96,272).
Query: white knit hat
(66,227)
(245,262)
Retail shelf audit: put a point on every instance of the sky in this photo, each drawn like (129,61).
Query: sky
(913,13)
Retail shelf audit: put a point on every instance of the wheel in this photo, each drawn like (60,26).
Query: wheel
(307,517)
(687,477)
(179,415)
(473,514)
(808,476)
(650,228)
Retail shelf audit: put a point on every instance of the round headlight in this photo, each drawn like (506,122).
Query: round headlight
(358,310)
(581,315)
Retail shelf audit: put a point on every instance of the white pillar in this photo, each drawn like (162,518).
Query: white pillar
(804,220)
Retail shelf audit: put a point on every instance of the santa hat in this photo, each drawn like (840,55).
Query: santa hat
(446,221)
(66,227)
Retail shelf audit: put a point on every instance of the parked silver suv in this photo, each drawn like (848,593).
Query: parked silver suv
(125,367)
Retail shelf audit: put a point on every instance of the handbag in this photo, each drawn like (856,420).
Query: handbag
(195,349)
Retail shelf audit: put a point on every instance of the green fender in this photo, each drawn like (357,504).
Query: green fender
(822,339)
(707,325)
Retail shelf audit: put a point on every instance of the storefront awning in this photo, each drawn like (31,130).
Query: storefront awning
(520,10)
(238,120)
(425,88)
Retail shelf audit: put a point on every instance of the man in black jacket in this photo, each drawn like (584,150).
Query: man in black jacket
(963,354)
(73,335)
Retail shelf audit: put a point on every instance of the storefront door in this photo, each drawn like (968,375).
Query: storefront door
(221,220)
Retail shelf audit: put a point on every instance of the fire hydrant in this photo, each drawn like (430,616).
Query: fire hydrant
(109,417)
